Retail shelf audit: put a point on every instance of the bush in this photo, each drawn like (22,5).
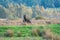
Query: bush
(19,34)
(35,32)
(39,17)
(9,33)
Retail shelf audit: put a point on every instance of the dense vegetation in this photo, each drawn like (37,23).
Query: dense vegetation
(15,11)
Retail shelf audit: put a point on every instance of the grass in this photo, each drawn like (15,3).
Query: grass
(26,30)
(55,28)
(22,38)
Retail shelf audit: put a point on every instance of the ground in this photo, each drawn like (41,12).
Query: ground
(23,31)
(33,22)
(26,31)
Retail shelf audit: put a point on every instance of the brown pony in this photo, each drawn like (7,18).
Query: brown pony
(25,19)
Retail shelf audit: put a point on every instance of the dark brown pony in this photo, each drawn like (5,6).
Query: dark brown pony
(25,19)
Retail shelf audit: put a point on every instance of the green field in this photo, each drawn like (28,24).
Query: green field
(27,30)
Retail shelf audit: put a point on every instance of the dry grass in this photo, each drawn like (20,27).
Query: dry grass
(45,34)
(35,32)
(9,33)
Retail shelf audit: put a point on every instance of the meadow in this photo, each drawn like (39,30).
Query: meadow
(26,30)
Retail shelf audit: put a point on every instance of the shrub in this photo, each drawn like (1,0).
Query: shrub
(39,17)
(37,32)
(19,34)
(9,33)
(48,34)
